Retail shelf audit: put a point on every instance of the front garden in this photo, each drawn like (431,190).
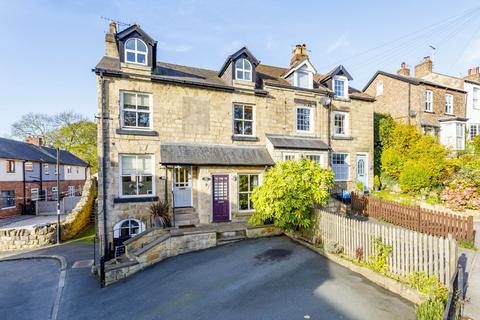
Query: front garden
(414,168)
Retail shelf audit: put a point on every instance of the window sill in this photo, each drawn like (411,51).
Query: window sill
(426,111)
(133,132)
(336,137)
(337,98)
(244,138)
(6,208)
(135,199)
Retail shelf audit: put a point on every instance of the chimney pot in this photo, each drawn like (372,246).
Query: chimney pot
(299,53)
(113,27)
(404,71)
(404,65)
(35,140)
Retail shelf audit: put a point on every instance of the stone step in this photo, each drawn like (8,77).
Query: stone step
(185,216)
(185,210)
(227,240)
(191,222)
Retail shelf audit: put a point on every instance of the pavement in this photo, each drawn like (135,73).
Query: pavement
(28,220)
(471,262)
(270,278)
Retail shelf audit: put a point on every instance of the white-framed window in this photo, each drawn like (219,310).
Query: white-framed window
(243,123)
(137,178)
(34,196)
(379,90)
(340,123)
(136,110)
(246,184)
(315,157)
(428,100)
(136,51)
(460,136)
(29,166)
(290,156)
(243,69)
(45,168)
(10,166)
(474,130)
(71,191)
(54,193)
(340,166)
(69,169)
(476,98)
(128,228)
(8,199)
(304,119)
(448,104)
(340,86)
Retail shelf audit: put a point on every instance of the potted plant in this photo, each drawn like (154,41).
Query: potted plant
(360,187)
(160,214)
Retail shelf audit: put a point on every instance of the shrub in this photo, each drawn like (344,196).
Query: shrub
(379,261)
(160,214)
(430,310)
(360,186)
(418,175)
(333,247)
(288,193)
(376,182)
(461,194)
(429,285)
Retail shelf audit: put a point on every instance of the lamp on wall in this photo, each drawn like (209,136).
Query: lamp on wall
(206,178)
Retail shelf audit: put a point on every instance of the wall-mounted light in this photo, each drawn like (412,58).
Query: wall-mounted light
(206,178)
(162,178)
(234,178)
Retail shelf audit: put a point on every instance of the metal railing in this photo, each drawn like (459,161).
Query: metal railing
(456,297)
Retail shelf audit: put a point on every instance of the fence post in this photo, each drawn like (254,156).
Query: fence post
(470,228)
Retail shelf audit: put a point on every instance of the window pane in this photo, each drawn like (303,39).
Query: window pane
(143,119)
(239,75)
(248,113)
(243,183)
(130,118)
(239,64)
(247,65)
(128,165)
(243,199)
(140,58)
(145,185)
(130,56)
(129,187)
(247,75)
(238,127)
(141,46)
(129,100)
(303,79)
(143,100)
(248,128)
(253,181)
(130,44)
(238,112)
(144,165)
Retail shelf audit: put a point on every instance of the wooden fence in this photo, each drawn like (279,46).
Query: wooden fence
(436,223)
(412,251)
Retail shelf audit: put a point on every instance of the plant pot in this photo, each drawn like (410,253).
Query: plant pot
(157,222)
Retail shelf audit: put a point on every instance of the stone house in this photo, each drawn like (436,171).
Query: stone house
(202,139)
(472,86)
(434,102)
(28,173)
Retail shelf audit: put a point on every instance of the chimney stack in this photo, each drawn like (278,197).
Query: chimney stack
(404,71)
(111,49)
(299,54)
(473,74)
(424,68)
(35,140)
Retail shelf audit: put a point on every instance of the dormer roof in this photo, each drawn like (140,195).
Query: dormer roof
(135,28)
(242,51)
(300,64)
(337,71)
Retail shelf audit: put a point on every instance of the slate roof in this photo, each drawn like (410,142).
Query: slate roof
(13,149)
(266,75)
(175,153)
(411,80)
(292,142)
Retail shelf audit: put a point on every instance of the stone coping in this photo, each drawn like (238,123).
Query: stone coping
(152,244)
(120,265)
(390,284)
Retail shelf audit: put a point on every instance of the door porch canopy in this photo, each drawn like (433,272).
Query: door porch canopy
(175,153)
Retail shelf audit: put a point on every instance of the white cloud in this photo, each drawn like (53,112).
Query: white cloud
(179,48)
(340,42)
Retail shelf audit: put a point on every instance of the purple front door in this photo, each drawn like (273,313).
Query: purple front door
(221,201)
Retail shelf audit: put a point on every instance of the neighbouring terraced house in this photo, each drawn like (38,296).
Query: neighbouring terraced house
(435,102)
(28,173)
(202,139)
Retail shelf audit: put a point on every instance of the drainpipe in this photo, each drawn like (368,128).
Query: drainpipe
(409,101)
(24,189)
(103,138)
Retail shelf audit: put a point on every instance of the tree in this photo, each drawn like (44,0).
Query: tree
(288,193)
(66,130)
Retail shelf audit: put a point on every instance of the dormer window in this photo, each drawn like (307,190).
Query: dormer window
(243,70)
(340,87)
(136,51)
(303,79)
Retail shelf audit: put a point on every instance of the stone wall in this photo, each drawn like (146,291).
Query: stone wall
(35,236)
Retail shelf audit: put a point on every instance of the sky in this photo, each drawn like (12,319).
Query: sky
(50,47)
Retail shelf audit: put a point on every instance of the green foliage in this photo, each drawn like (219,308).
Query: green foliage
(288,193)
(360,186)
(376,182)
(430,310)
(475,143)
(379,261)
(160,214)
(418,175)
(383,124)
(430,286)
(333,247)
(466,245)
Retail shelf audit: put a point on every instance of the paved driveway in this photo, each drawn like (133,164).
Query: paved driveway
(271,278)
